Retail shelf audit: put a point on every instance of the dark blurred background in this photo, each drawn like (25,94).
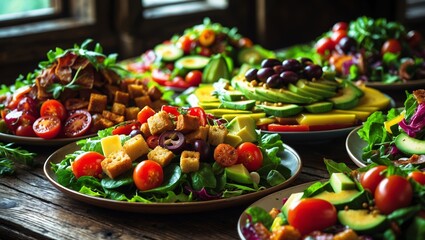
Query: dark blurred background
(130,27)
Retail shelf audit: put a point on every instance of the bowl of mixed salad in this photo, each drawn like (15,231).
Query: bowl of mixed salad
(172,161)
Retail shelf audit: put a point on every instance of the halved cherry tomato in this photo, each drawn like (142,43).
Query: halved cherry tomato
(372,177)
(311,214)
(250,156)
(47,127)
(144,114)
(392,46)
(194,77)
(338,35)
(172,110)
(340,26)
(207,37)
(392,193)
(200,113)
(418,176)
(53,107)
(324,46)
(160,77)
(28,105)
(25,125)
(186,44)
(274,127)
(148,174)
(77,124)
(126,128)
(88,164)
(152,141)
(225,155)
(18,95)
(177,82)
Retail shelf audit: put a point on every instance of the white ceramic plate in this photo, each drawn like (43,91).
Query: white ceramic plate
(36,141)
(354,145)
(274,200)
(290,159)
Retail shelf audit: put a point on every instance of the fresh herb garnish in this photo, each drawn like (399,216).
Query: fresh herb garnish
(10,154)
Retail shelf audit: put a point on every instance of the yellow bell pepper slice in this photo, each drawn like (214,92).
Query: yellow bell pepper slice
(388,124)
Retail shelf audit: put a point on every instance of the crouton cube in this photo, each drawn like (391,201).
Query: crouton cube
(154,93)
(110,144)
(97,103)
(111,90)
(189,161)
(116,163)
(102,123)
(145,130)
(121,97)
(187,123)
(200,133)
(136,147)
(136,90)
(216,135)
(142,101)
(113,117)
(157,104)
(161,155)
(131,113)
(118,108)
(160,122)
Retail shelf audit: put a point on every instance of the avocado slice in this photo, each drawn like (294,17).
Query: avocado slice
(192,62)
(301,91)
(282,95)
(348,97)
(409,145)
(340,181)
(319,107)
(324,86)
(362,221)
(303,84)
(238,105)
(281,111)
(238,173)
(293,198)
(352,199)
(244,127)
(203,93)
(168,52)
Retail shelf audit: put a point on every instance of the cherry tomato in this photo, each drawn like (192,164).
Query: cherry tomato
(144,114)
(204,51)
(152,141)
(25,125)
(418,176)
(126,128)
(274,127)
(372,177)
(186,44)
(392,193)
(225,155)
(200,113)
(174,111)
(250,156)
(207,37)
(194,78)
(338,35)
(160,77)
(414,38)
(177,82)
(340,26)
(392,46)
(47,127)
(12,119)
(18,95)
(28,105)
(88,164)
(310,214)
(53,107)
(148,174)
(324,46)
(245,42)
(77,124)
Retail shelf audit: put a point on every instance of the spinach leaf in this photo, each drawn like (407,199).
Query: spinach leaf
(260,215)
(203,178)
(172,177)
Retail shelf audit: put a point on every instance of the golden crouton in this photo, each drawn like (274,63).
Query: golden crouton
(145,130)
(154,93)
(112,116)
(189,161)
(116,163)
(97,103)
(121,97)
(161,155)
(160,122)
(200,133)
(111,90)
(136,90)
(217,134)
(136,147)
(131,113)
(187,123)
(142,101)
(118,108)
(102,123)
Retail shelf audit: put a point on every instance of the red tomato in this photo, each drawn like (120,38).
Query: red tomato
(186,44)
(392,193)
(88,164)
(324,46)
(312,214)
(171,110)
(18,95)
(200,113)
(245,42)
(274,127)
(148,174)
(392,46)
(414,38)
(204,51)
(126,128)
(225,155)
(28,105)
(177,82)
(207,37)
(372,177)
(152,141)
(250,156)
(144,114)
(160,77)
(77,124)
(337,35)
(25,126)
(340,26)
(418,176)
(47,127)
(194,78)
(53,107)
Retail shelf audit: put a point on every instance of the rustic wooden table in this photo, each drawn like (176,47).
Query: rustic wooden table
(31,208)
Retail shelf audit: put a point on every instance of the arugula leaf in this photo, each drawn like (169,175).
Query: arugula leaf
(334,167)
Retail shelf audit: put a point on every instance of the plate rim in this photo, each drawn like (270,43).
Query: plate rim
(37,141)
(396,85)
(165,208)
(353,136)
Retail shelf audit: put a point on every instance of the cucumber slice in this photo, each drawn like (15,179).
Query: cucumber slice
(168,52)
(192,62)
